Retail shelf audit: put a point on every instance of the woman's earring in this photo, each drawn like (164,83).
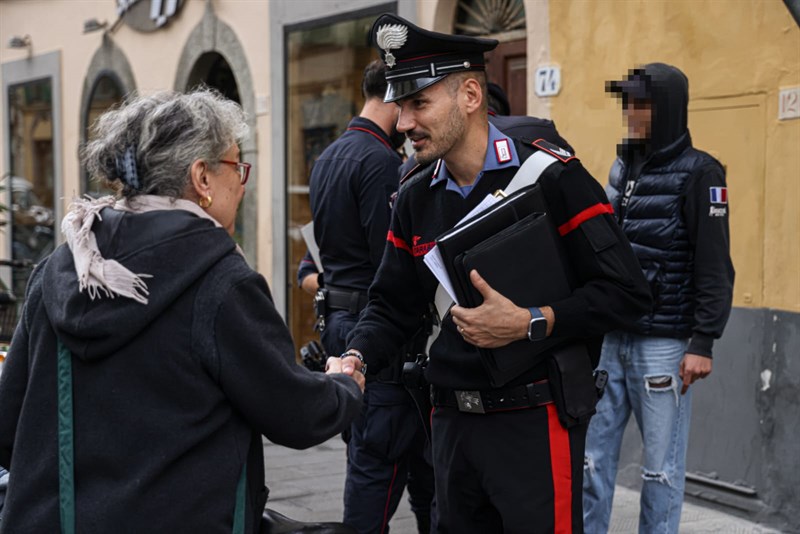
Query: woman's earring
(205,202)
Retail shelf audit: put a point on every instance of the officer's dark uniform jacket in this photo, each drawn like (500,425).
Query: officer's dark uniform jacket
(679,235)
(350,187)
(611,291)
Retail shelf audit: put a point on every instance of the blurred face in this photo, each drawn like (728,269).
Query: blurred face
(226,190)
(432,120)
(638,116)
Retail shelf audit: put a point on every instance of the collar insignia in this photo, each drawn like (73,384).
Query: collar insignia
(391,37)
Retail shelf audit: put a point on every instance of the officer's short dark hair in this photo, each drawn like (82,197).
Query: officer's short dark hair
(453,81)
(373,84)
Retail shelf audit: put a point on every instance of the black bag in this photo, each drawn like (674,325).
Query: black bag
(273,522)
(572,384)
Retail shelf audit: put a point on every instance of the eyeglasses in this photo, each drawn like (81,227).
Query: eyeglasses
(242,167)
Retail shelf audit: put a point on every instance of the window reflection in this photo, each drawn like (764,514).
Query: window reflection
(324,68)
(107,92)
(30,186)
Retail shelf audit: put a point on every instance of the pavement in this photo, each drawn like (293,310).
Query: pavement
(307,486)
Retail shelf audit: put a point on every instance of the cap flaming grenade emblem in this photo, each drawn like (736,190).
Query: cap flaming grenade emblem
(391,37)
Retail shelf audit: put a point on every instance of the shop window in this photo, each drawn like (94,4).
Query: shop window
(324,67)
(31,181)
(106,93)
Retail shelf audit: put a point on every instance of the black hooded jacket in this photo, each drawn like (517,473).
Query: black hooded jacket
(171,398)
(671,201)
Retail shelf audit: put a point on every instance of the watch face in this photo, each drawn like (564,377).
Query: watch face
(537,330)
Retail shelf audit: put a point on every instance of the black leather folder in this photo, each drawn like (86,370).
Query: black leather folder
(477,229)
(524,263)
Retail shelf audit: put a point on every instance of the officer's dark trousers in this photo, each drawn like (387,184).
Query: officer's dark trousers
(387,449)
(507,472)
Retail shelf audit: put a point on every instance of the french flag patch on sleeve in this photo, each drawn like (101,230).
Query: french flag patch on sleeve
(719,195)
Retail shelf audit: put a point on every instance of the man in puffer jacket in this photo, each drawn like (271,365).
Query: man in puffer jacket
(672,203)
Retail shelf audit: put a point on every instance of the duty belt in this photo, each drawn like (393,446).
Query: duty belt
(494,400)
(342,299)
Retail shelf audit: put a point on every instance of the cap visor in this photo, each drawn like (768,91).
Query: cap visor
(636,89)
(397,89)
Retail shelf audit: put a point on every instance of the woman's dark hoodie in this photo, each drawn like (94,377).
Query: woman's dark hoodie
(171,398)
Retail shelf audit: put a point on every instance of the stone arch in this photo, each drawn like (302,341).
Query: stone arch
(213,35)
(108,61)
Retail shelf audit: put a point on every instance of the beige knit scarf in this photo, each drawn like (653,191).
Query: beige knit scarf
(109,278)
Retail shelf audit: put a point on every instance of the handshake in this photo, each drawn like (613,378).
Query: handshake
(314,358)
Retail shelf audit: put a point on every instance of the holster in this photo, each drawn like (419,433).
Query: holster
(419,389)
(572,384)
(320,308)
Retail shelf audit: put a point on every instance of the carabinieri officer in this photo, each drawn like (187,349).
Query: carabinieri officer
(508,460)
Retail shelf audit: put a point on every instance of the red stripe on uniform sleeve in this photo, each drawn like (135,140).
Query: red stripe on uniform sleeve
(582,217)
(561,466)
(397,242)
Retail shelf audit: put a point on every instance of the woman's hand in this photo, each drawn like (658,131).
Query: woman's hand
(336,365)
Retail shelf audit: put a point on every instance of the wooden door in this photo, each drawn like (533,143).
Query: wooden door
(507,67)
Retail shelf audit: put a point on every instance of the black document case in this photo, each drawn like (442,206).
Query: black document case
(473,231)
(521,259)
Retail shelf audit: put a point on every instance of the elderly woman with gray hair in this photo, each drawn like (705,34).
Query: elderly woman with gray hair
(150,359)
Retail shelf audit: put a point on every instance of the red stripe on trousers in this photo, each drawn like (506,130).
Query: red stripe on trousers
(388,499)
(561,466)
(397,242)
(585,215)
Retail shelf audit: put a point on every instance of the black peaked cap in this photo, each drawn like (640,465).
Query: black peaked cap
(416,58)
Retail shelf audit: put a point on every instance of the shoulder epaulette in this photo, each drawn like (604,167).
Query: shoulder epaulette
(556,151)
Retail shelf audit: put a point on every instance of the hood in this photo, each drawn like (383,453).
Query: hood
(174,249)
(670,97)
(668,90)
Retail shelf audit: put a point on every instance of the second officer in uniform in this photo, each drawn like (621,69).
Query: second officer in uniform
(351,185)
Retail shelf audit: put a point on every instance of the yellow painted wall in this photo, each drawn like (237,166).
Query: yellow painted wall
(737,56)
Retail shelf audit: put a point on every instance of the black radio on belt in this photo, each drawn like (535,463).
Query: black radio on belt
(414,373)
(313,356)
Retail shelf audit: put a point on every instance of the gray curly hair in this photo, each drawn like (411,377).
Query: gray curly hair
(160,136)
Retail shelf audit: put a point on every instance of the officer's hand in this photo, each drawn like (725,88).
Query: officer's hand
(310,283)
(336,365)
(495,323)
(693,367)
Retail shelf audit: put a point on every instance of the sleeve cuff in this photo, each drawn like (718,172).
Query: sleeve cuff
(701,344)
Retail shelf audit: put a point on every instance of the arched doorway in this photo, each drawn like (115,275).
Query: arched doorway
(213,70)
(213,55)
(107,91)
(108,81)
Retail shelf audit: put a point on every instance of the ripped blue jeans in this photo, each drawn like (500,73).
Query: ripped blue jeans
(643,380)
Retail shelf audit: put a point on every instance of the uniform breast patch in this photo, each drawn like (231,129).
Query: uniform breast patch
(554,150)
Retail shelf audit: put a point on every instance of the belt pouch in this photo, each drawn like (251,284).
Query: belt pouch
(572,384)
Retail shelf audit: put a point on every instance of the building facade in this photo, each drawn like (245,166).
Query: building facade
(295,67)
